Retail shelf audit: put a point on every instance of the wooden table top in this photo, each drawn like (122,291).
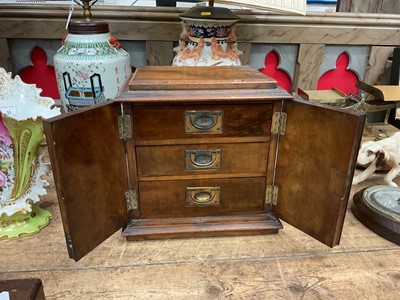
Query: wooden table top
(289,265)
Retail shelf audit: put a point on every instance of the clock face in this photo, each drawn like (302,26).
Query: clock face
(384,200)
(378,208)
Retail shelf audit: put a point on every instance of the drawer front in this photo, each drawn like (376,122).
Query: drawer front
(190,198)
(155,123)
(202,159)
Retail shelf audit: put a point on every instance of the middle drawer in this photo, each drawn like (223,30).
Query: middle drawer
(178,160)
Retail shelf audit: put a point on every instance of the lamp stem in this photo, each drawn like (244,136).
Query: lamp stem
(211,3)
(87,14)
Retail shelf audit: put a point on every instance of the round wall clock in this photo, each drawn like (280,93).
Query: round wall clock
(378,208)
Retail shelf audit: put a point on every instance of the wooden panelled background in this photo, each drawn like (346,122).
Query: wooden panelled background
(307,45)
(369,6)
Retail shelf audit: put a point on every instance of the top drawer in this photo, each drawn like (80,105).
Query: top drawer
(205,121)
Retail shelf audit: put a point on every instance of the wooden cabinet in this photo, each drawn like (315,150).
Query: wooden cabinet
(15,289)
(202,151)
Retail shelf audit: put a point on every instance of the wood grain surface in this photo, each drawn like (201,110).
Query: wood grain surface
(369,6)
(288,265)
(5,59)
(379,65)
(159,53)
(309,61)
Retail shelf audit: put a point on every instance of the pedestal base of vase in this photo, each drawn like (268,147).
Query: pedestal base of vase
(20,224)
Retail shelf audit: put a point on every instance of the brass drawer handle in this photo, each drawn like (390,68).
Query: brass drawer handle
(203,159)
(202,196)
(203,121)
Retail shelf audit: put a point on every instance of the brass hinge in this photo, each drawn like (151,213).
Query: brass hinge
(279,123)
(70,246)
(271,194)
(131,198)
(125,127)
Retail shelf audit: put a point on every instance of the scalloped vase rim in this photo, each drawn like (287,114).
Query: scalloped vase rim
(22,101)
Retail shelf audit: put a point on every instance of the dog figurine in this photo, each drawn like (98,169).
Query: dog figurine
(378,154)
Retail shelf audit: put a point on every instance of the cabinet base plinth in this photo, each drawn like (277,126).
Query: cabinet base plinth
(147,229)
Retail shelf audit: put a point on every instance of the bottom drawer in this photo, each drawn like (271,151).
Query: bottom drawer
(188,198)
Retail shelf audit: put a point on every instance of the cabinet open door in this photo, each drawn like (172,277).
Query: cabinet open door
(316,162)
(89,165)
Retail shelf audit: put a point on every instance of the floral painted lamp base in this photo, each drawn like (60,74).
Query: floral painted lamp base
(21,224)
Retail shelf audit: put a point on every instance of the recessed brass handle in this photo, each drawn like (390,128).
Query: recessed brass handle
(203,159)
(203,121)
(202,196)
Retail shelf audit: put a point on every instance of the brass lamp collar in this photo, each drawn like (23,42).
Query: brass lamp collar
(86,4)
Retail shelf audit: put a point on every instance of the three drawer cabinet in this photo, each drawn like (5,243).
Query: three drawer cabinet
(202,151)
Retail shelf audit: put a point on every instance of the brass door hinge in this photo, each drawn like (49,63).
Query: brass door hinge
(271,194)
(279,123)
(131,198)
(70,246)
(125,127)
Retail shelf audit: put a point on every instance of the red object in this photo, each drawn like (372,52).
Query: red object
(63,40)
(41,74)
(114,42)
(271,69)
(340,78)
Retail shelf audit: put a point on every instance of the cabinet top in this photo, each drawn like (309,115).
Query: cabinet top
(172,83)
(209,78)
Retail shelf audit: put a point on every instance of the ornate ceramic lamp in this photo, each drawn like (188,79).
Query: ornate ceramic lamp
(91,67)
(208,38)
(21,156)
(208,35)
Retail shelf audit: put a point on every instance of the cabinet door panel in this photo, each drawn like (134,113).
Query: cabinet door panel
(88,162)
(316,162)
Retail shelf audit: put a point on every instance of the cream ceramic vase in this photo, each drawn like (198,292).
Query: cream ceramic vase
(207,38)
(91,67)
(21,156)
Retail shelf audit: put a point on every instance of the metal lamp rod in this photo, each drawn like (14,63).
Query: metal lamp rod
(86,5)
(87,14)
